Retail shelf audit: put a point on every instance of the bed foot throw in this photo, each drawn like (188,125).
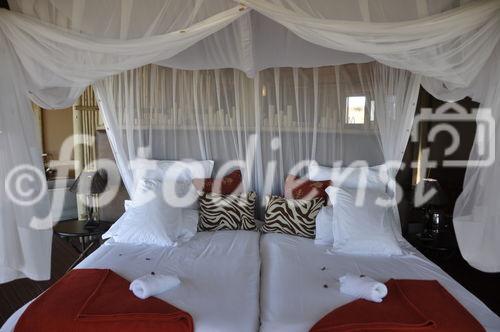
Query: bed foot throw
(411,305)
(99,300)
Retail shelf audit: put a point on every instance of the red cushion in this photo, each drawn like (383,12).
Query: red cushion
(229,184)
(298,188)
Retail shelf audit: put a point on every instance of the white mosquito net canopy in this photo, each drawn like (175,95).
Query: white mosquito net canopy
(268,83)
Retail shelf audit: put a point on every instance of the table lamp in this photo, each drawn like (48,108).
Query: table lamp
(90,184)
(434,204)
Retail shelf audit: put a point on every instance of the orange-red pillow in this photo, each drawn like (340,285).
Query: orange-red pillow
(298,188)
(229,184)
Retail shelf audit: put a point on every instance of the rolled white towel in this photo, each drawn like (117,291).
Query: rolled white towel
(151,285)
(363,287)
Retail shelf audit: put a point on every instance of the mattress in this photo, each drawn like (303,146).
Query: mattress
(219,272)
(299,281)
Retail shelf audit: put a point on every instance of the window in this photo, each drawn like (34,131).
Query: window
(372,110)
(355,109)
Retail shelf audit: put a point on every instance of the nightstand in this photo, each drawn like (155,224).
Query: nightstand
(438,247)
(87,238)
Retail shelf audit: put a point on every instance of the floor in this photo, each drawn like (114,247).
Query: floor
(15,294)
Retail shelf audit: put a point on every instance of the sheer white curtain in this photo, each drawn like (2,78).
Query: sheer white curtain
(25,243)
(395,99)
(59,63)
(251,43)
(52,66)
(163,113)
(477,217)
(272,124)
(450,46)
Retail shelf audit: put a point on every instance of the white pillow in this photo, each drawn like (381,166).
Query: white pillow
(351,177)
(362,230)
(150,220)
(176,175)
(127,203)
(324,226)
(180,170)
(189,225)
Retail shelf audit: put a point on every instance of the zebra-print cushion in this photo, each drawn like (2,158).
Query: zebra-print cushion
(227,212)
(292,216)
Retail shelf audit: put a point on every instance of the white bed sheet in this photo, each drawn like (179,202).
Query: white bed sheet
(219,272)
(293,296)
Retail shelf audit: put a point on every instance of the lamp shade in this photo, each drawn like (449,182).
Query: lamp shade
(439,198)
(89,183)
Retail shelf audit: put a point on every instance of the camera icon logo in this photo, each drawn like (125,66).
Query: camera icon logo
(443,117)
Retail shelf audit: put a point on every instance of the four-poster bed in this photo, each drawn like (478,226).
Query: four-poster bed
(267,87)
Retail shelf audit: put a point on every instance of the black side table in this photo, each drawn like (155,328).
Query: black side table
(87,237)
(441,246)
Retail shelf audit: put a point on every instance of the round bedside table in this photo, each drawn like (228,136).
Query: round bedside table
(76,228)
(437,247)
(87,237)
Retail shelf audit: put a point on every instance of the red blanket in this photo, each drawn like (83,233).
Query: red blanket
(99,300)
(411,305)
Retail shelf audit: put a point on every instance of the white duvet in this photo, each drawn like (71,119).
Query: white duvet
(299,281)
(219,273)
